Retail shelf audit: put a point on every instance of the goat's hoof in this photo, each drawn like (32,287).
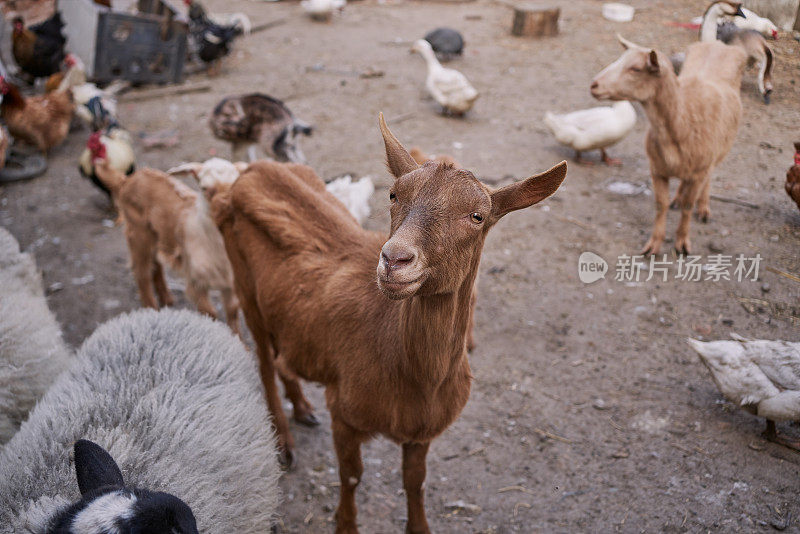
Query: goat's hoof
(767,96)
(675,204)
(682,248)
(286,459)
(308,419)
(651,248)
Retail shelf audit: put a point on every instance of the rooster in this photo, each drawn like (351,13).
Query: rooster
(114,146)
(212,41)
(793,177)
(39,49)
(42,121)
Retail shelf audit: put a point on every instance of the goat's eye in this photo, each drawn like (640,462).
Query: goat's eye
(476,217)
(636,69)
(392,196)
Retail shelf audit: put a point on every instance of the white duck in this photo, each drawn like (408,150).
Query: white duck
(322,9)
(449,88)
(593,128)
(761,376)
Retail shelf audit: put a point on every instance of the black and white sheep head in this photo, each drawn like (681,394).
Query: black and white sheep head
(108,506)
(286,146)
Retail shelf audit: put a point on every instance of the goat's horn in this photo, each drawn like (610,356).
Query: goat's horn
(628,44)
(398,159)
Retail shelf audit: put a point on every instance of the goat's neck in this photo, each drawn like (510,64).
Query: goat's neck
(434,330)
(708,29)
(665,109)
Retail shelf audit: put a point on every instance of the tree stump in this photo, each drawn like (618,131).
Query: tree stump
(534,21)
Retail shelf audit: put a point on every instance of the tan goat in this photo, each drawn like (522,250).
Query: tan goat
(693,117)
(168,223)
(390,348)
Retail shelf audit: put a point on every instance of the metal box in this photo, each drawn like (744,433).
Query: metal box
(148,47)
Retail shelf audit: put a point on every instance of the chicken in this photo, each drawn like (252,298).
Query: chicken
(212,41)
(249,120)
(593,128)
(42,121)
(114,146)
(448,87)
(760,376)
(793,177)
(39,49)
(97,107)
(751,21)
(238,19)
(354,195)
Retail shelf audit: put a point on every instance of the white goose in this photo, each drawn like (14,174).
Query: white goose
(593,128)
(761,376)
(322,10)
(448,87)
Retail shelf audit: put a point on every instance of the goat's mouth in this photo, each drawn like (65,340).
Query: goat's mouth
(399,289)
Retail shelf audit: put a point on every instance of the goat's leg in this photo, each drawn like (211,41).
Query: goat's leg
(303,412)
(693,187)
(266,358)
(676,202)
(661,190)
(347,442)
(199,296)
(142,251)
(703,201)
(765,73)
(164,295)
(414,455)
(231,304)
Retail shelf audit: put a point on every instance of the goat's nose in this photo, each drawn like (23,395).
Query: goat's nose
(593,86)
(396,257)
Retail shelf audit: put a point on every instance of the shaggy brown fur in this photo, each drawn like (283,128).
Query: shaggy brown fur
(391,354)
(694,118)
(166,222)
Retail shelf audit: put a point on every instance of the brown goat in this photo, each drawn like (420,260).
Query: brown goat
(390,351)
(693,117)
(166,222)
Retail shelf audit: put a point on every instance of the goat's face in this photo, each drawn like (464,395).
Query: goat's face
(634,76)
(440,216)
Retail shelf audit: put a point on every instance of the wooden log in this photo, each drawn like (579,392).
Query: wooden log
(535,21)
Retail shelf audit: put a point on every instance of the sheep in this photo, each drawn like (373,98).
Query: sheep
(390,346)
(157,390)
(167,222)
(693,117)
(32,352)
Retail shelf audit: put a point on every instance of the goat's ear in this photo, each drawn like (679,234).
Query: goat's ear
(186,168)
(527,192)
(94,467)
(398,159)
(652,62)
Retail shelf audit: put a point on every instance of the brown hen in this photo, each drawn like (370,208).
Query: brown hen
(793,177)
(43,121)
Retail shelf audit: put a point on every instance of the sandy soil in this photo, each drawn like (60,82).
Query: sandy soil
(588,411)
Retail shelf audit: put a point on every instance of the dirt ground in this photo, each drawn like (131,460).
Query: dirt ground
(588,412)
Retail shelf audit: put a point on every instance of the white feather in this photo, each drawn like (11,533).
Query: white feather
(102,514)
(593,128)
(354,195)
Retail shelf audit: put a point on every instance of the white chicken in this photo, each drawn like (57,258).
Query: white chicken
(97,107)
(322,10)
(593,128)
(751,21)
(354,195)
(115,146)
(761,376)
(448,87)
